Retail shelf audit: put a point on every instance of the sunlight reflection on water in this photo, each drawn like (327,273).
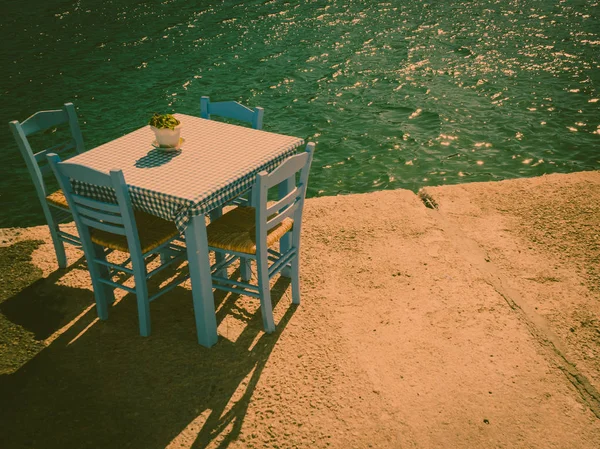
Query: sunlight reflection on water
(396,94)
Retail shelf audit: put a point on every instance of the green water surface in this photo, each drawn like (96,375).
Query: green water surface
(397,94)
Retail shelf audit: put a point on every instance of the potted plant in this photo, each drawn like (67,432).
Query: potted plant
(167,130)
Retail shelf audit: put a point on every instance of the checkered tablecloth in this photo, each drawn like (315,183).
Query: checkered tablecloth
(216,163)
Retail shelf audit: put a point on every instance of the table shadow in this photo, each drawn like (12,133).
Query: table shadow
(101,385)
(156,158)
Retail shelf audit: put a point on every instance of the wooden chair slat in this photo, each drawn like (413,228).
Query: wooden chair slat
(119,230)
(282,215)
(93,204)
(58,149)
(43,120)
(100,215)
(284,202)
(233,110)
(85,174)
(292,165)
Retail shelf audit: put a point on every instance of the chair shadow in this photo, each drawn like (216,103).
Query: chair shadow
(44,306)
(156,158)
(33,308)
(100,384)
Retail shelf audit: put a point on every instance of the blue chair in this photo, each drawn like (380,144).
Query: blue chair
(251,233)
(232,109)
(54,205)
(116,227)
(237,111)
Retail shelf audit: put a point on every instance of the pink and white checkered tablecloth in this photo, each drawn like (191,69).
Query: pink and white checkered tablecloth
(216,163)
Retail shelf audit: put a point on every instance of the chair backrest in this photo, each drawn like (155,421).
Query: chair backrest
(39,122)
(115,218)
(292,203)
(232,109)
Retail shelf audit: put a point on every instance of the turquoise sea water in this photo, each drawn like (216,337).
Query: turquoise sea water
(397,94)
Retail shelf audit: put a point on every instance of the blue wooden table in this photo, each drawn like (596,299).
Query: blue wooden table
(217,162)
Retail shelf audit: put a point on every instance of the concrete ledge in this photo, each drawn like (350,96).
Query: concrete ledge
(418,328)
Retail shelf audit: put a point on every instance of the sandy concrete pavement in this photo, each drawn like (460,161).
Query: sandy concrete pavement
(470,325)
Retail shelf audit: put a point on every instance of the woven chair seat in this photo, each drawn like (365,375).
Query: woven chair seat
(153,232)
(236,231)
(58,199)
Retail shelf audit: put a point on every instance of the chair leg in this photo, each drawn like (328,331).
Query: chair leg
(295,263)
(104,271)
(164,258)
(141,291)
(295,275)
(245,263)
(245,269)
(59,246)
(285,243)
(101,304)
(214,214)
(100,289)
(266,308)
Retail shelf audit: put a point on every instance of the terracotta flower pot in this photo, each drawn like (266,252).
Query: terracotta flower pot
(166,137)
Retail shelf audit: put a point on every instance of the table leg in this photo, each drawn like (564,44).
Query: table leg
(199,264)
(285,243)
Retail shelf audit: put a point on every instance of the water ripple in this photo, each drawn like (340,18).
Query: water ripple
(396,94)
